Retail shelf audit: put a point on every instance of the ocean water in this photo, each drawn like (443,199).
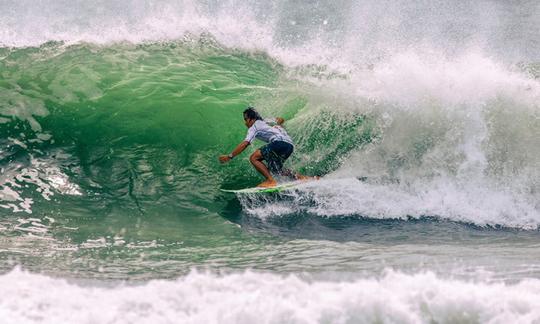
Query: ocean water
(422,117)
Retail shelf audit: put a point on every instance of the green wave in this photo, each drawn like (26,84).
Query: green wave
(138,128)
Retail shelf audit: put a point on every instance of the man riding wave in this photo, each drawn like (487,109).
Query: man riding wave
(280,146)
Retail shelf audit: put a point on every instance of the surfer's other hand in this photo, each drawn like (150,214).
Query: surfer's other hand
(224,158)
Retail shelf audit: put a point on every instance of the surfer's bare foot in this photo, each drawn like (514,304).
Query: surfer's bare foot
(268,183)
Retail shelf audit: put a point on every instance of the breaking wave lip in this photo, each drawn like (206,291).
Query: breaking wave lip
(245,297)
(327,33)
(107,23)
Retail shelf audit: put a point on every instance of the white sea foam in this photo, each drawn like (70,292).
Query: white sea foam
(439,198)
(269,298)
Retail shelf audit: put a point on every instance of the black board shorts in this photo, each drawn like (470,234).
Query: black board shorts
(275,154)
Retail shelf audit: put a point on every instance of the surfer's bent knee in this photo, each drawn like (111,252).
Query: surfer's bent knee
(256,156)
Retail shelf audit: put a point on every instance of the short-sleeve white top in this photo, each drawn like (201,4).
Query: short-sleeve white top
(266,133)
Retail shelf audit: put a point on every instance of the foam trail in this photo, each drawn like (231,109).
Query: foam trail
(441,198)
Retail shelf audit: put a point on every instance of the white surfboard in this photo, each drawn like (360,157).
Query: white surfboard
(278,188)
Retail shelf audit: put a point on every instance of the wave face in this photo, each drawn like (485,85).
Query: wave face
(242,298)
(423,118)
(437,108)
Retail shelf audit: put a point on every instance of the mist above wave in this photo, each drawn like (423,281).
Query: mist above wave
(336,32)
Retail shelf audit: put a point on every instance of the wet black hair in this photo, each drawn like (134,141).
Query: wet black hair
(251,113)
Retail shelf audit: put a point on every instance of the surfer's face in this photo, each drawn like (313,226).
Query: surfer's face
(248,122)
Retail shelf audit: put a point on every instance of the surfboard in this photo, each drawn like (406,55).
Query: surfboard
(278,188)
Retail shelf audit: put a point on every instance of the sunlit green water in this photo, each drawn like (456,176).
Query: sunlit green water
(113,150)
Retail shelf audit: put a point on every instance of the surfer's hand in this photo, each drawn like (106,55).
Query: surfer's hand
(224,158)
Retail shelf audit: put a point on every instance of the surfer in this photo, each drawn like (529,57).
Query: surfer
(278,148)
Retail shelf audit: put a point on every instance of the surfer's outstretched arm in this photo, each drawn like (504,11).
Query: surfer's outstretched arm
(239,149)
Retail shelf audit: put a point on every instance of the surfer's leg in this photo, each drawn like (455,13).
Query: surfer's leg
(256,159)
(284,150)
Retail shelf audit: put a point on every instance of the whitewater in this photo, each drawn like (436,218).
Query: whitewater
(423,120)
(198,298)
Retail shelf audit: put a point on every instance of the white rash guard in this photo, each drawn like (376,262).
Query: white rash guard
(266,133)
